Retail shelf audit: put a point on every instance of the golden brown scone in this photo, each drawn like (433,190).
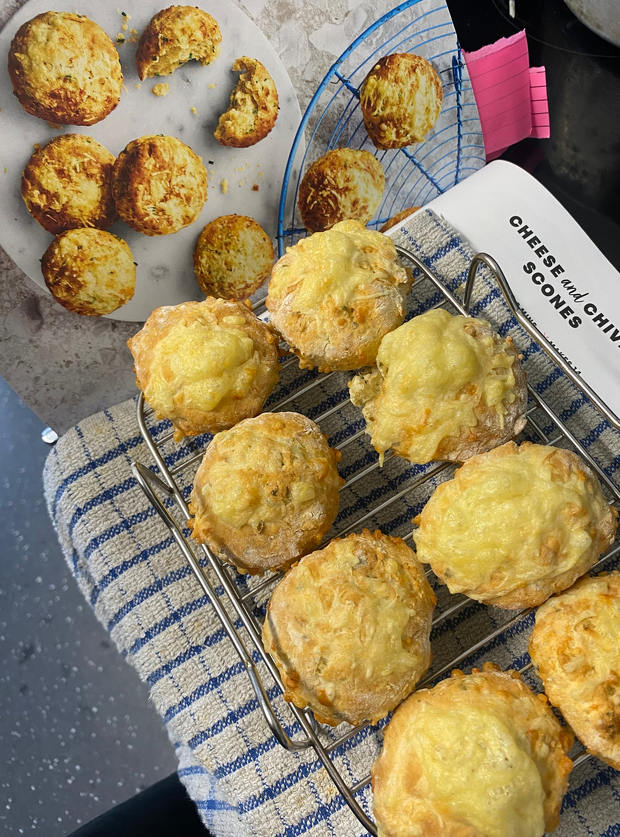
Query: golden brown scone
(445,387)
(349,628)
(64,68)
(205,365)
(159,185)
(575,646)
(175,36)
(89,271)
(344,183)
(233,257)
(400,100)
(266,491)
(253,107)
(396,219)
(68,183)
(334,294)
(515,525)
(477,755)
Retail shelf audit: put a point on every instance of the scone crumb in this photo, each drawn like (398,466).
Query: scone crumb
(255,187)
(138,85)
(224,186)
(212,86)
(161,89)
(193,110)
(120,38)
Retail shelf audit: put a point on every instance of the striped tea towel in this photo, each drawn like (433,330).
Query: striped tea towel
(142,590)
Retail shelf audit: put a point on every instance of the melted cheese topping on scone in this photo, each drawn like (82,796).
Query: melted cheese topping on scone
(433,375)
(349,628)
(575,648)
(515,519)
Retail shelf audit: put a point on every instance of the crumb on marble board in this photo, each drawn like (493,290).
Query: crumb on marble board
(162,88)
(193,110)
(255,187)
(224,186)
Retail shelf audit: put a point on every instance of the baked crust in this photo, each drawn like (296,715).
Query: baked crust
(266,492)
(396,219)
(445,387)
(175,36)
(205,365)
(335,294)
(253,107)
(574,646)
(348,628)
(89,271)
(344,183)
(475,755)
(400,100)
(159,185)
(233,257)
(515,525)
(64,68)
(68,183)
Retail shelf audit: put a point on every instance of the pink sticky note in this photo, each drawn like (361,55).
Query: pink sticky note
(540,104)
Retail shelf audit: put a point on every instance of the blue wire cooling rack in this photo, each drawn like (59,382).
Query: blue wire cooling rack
(415,174)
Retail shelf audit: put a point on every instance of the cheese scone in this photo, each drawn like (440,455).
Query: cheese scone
(400,100)
(253,106)
(344,183)
(175,36)
(515,525)
(233,257)
(445,387)
(205,365)
(64,68)
(335,294)
(396,219)
(477,755)
(266,491)
(349,628)
(67,183)
(89,271)
(159,185)
(575,646)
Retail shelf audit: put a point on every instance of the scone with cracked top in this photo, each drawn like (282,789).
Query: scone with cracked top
(67,183)
(575,647)
(266,491)
(159,185)
(445,387)
(344,183)
(253,107)
(335,294)
(515,525)
(474,756)
(175,36)
(205,365)
(64,68)
(349,627)
(400,100)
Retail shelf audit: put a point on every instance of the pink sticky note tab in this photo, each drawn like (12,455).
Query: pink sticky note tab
(502,84)
(540,104)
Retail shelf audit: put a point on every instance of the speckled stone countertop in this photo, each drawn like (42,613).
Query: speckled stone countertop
(66,367)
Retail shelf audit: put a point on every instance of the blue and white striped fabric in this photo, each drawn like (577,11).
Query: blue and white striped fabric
(142,591)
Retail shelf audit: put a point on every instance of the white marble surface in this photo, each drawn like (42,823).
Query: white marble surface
(66,366)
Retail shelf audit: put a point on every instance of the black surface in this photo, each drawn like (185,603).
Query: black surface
(580,163)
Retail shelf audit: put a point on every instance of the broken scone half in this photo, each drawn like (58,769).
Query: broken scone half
(253,107)
(175,36)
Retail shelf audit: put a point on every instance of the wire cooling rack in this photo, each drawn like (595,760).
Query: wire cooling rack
(418,173)
(391,498)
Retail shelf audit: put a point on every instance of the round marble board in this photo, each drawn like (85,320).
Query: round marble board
(242,180)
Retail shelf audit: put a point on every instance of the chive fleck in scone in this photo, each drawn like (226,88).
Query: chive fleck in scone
(266,491)
(68,183)
(175,36)
(233,257)
(400,99)
(159,185)
(475,756)
(445,387)
(349,627)
(575,646)
(335,294)
(344,183)
(64,68)
(205,365)
(515,525)
(89,271)
(253,107)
